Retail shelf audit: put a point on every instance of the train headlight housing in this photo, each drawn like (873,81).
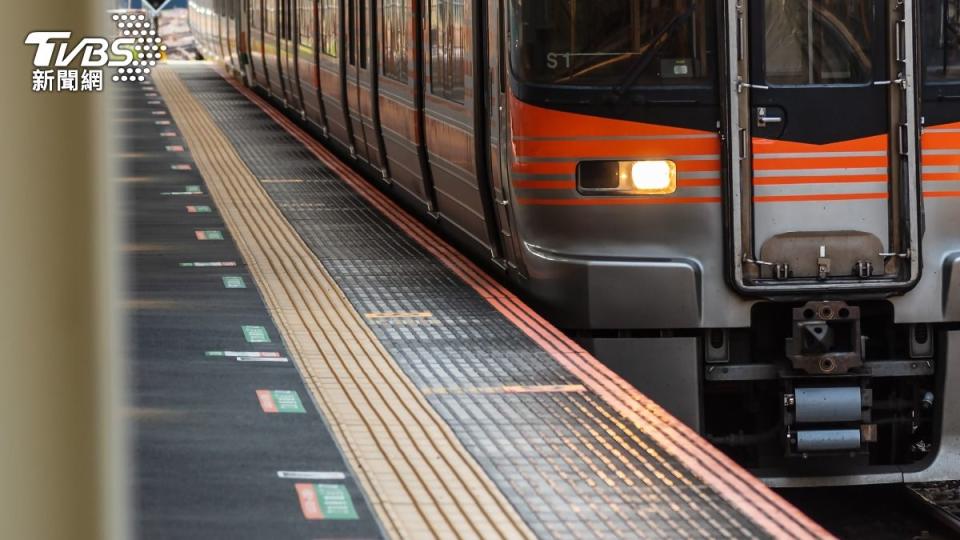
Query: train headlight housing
(646,177)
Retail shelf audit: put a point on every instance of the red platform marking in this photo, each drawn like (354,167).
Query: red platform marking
(266,401)
(309,504)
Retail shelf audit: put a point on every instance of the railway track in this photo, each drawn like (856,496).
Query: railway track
(941,501)
(891,512)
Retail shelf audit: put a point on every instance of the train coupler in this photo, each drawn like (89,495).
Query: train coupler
(826,338)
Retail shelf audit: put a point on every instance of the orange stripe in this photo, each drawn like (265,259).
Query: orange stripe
(556,167)
(545,184)
(532,121)
(941,194)
(820,197)
(941,141)
(937,159)
(876,143)
(699,165)
(650,147)
(941,177)
(776,164)
(610,201)
(570,167)
(698,183)
(744,491)
(785,180)
(570,184)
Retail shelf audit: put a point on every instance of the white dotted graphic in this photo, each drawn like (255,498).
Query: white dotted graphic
(148,48)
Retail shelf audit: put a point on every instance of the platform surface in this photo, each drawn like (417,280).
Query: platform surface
(449,407)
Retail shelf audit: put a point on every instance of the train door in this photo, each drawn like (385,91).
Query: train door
(331,61)
(498,114)
(823,127)
(398,100)
(230,34)
(243,42)
(271,47)
(357,62)
(258,55)
(308,62)
(221,8)
(288,54)
(455,122)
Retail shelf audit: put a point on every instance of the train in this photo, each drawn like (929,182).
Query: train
(749,208)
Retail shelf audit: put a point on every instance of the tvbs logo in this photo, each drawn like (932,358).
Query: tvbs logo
(79,66)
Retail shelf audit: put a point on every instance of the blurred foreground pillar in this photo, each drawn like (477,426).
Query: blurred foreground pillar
(60,464)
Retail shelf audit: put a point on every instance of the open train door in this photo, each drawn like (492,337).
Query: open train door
(821,131)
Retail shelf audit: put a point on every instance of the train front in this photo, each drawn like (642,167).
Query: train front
(752,210)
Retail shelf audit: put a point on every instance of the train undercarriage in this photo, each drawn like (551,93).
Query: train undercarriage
(813,393)
(825,388)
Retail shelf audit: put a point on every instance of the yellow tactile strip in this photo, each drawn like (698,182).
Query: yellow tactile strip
(418,478)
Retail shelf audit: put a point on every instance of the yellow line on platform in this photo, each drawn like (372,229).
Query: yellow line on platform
(418,477)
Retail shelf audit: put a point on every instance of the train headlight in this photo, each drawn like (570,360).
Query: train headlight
(653,177)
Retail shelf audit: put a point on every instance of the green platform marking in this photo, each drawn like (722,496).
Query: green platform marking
(288,401)
(192,189)
(256,334)
(203,209)
(234,282)
(209,235)
(335,501)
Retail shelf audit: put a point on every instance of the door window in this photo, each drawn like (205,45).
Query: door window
(941,40)
(395,39)
(447,66)
(814,42)
(306,23)
(328,27)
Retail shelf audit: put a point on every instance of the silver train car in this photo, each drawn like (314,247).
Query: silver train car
(749,208)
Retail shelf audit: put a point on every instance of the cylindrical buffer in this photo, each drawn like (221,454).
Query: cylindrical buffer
(819,440)
(828,404)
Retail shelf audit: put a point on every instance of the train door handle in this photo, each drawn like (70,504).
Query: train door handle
(763,119)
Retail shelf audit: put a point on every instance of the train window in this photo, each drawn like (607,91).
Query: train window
(255,14)
(447,66)
(306,23)
(941,40)
(362,26)
(614,42)
(395,39)
(328,27)
(351,33)
(270,16)
(819,41)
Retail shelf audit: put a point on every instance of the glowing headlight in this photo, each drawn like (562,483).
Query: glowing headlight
(656,177)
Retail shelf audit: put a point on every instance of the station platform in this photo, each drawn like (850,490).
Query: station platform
(310,361)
